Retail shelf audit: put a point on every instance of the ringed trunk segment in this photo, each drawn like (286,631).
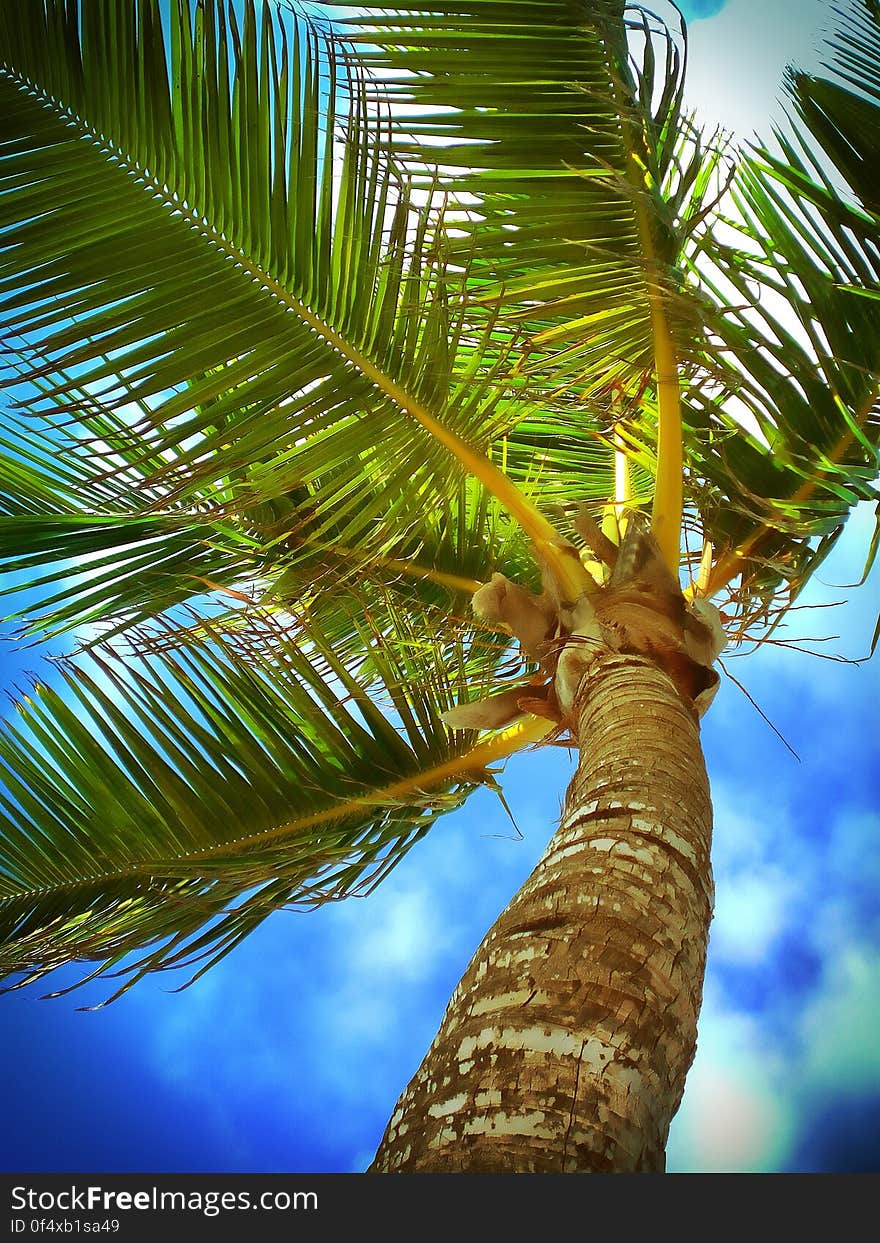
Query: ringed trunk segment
(565,1046)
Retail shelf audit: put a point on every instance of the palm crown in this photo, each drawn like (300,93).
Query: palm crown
(312,331)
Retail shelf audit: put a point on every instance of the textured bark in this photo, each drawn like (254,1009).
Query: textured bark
(566,1044)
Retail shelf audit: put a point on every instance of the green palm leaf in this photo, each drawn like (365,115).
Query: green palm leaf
(169,806)
(803,352)
(586,187)
(527,110)
(293,334)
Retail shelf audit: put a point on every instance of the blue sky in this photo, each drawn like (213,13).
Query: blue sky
(291,1053)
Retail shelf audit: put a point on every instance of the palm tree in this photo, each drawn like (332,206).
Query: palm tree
(372,392)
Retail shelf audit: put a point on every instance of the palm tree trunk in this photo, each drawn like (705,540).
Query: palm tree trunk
(566,1044)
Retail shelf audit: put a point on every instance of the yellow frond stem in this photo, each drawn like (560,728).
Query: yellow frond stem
(614,513)
(622,483)
(455,582)
(700,587)
(564,562)
(552,546)
(530,729)
(669,486)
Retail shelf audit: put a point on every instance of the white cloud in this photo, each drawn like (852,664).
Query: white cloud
(750,913)
(733,1118)
(757,885)
(840,1028)
(401,937)
(758,1079)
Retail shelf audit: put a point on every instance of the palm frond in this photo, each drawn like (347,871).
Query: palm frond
(802,444)
(512,109)
(841,113)
(114,572)
(195,244)
(165,807)
(83,550)
(559,129)
(426,586)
